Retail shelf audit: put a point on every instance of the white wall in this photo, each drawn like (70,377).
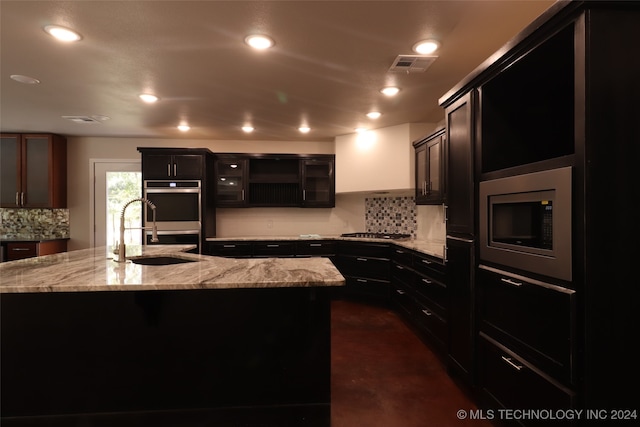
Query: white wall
(378,160)
(82,149)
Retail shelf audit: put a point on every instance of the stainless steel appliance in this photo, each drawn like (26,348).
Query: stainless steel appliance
(525,222)
(178,210)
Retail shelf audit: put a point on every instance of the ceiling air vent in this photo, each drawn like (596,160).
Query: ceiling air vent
(412,63)
(81,119)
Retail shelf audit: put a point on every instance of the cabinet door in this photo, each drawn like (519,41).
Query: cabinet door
(460,278)
(9,170)
(157,166)
(230,182)
(36,169)
(430,179)
(460,167)
(187,166)
(318,183)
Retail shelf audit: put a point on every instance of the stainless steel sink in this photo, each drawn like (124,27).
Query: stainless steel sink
(160,260)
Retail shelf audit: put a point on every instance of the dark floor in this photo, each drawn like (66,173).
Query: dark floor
(383,375)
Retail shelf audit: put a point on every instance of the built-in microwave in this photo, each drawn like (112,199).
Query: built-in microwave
(525,222)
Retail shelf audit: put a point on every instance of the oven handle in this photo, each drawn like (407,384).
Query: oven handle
(171,190)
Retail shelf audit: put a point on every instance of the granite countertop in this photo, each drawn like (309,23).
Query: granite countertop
(434,248)
(94,269)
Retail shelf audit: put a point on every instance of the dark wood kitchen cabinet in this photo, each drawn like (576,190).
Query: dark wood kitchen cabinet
(366,268)
(275,180)
(231,181)
(575,70)
(430,175)
(166,163)
(34,171)
(21,250)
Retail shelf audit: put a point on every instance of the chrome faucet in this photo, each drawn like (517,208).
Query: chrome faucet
(121,250)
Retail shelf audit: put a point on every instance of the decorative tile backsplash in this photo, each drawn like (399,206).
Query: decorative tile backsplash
(390,215)
(39,223)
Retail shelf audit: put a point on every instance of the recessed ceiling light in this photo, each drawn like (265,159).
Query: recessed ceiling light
(148,98)
(374,114)
(63,34)
(259,41)
(304,129)
(184,127)
(426,47)
(24,79)
(390,90)
(247,128)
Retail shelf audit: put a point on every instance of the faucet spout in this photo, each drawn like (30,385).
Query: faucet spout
(122,251)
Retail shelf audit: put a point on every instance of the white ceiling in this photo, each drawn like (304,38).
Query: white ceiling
(326,69)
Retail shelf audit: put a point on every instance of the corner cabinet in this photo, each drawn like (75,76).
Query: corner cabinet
(430,168)
(34,171)
(275,180)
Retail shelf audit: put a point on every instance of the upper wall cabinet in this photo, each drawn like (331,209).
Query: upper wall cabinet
(275,180)
(430,168)
(34,171)
(167,163)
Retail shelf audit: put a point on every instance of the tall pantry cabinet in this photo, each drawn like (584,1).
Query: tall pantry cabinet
(563,93)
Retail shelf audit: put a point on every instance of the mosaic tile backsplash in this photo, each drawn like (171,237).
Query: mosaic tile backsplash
(40,223)
(391,215)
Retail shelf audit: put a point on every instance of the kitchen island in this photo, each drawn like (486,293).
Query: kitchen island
(227,342)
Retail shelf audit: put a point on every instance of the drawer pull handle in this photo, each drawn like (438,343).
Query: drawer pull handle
(399,267)
(19,249)
(273,246)
(398,251)
(427,312)
(508,360)
(400,291)
(426,261)
(427,281)
(228,246)
(362,280)
(361,259)
(315,245)
(511,282)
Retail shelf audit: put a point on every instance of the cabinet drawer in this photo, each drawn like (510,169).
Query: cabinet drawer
(402,274)
(372,268)
(365,286)
(274,249)
(431,323)
(323,248)
(402,256)
(230,249)
(402,300)
(374,250)
(534,318)
(432,292)
(429,266)
(21,250)
(510,381)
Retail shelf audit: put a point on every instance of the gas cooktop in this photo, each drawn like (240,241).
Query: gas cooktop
(391,236)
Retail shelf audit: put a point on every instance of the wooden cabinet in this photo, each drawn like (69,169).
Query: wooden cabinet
(229,249)
(430,168)
(231,181)
(161,163)
(318,182)
(366,268)
(21,250)
(460,210)
(34,171)
(275,180)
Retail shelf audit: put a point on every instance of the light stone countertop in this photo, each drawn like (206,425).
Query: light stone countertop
(434,248)
(94,269)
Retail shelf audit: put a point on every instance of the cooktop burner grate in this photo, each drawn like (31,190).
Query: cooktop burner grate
(391,236)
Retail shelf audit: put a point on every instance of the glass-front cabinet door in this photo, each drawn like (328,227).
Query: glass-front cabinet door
(318,183)
(231,180)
